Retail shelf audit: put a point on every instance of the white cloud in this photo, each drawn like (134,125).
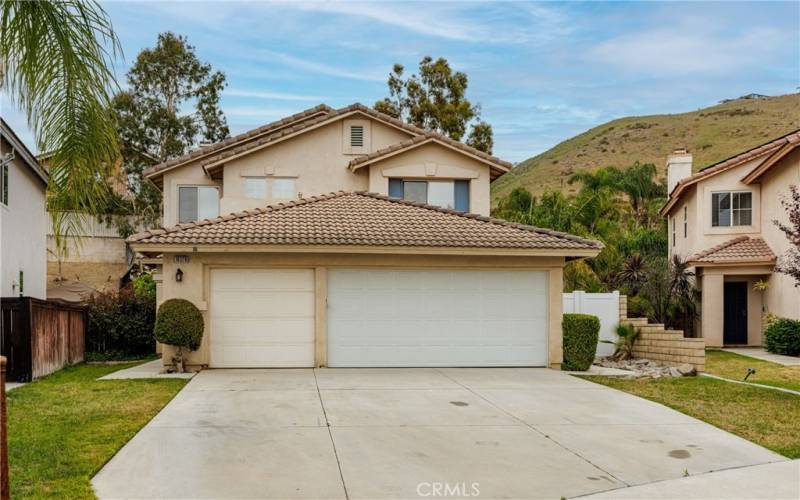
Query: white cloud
(277,96)
(321,68)
(268,113)
(685,50)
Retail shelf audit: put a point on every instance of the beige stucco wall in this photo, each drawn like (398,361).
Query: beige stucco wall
(23,230)
(782,297)
(434,161)
(316,159)
(684,245)
(711,281)
(195,284)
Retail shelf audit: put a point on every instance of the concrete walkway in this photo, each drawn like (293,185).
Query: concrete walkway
(14,385)
(779,480)
(406,433)
(762,354)
(151,369)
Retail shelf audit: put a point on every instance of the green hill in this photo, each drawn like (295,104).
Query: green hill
(711,134)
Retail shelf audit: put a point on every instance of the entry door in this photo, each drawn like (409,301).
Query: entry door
(384,317)
(735,320)
(262,318)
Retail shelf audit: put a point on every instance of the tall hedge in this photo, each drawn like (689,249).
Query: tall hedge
(179,323)
(120,325)
(581,334)
(783,337)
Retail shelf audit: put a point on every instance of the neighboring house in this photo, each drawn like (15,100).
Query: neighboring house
(721,220)
(352,244)
(23,219)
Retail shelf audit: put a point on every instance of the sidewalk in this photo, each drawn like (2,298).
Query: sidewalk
(151,369)
(774,481)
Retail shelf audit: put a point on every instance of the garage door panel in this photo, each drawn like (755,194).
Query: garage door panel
(262,318)
(437,318)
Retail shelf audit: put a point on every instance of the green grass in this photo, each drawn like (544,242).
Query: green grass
(766,417)
(65,427)
(734,366)
(712,134)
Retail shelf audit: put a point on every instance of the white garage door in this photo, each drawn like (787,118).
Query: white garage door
(437,318)
(262,318)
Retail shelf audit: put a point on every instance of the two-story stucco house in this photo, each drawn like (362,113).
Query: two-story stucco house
(721,220)
(23,219)
(348,238)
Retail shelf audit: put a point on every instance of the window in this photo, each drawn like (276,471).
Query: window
(731,209)
(685,221)
(446,194)
(255,188)
(197,203)
(4,186)
(357,136)
(674,239)
(283,189)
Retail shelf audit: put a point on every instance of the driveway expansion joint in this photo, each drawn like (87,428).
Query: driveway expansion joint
(330,434)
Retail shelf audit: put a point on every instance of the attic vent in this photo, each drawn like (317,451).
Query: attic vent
(357,136)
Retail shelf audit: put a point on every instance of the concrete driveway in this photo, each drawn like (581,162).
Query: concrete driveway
(410,433)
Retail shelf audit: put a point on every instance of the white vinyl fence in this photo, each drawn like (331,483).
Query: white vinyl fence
(603,305)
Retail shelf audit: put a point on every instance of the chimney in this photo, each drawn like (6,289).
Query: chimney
(679,166)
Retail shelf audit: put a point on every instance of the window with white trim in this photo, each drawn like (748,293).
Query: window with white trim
(731,208)
(283,188)
(272,188)
(255,188)
(197,203)
(685,221)
(452,194)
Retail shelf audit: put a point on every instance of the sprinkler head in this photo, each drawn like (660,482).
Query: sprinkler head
(750,371)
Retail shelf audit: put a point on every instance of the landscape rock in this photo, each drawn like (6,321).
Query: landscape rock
(687,370)
(646,368)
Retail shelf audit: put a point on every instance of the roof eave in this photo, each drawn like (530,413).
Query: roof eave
(157,248)
(728,263)
(758,172)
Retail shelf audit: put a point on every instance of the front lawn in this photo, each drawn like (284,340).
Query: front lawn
(766,417)
(65,427)
(734,366)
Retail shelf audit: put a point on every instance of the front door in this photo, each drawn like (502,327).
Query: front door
(735,320)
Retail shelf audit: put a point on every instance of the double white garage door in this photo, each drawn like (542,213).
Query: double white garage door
(378,317)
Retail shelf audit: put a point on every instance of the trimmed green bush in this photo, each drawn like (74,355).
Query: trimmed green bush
(179,323)
(120,325)
(581,333)
(783,337)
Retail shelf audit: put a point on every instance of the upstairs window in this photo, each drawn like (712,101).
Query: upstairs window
(731,208)
(445,194)
(685,221)
(4,186)
(262,188)
(197,203)
(357,136)
(674,239)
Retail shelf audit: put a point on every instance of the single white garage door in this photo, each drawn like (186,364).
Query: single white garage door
(437,318)
(262,318)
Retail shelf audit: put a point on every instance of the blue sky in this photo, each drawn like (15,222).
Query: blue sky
(542,72)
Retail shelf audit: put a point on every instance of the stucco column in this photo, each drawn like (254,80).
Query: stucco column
(712,309)
(320,316)
(556,309)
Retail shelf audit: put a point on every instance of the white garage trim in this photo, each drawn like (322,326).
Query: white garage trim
(261,318)
(437,317)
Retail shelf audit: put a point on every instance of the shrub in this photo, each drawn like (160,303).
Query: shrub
(638,307)
(120,325)
(144,285)
(581,333)
(783,337)
(179,323)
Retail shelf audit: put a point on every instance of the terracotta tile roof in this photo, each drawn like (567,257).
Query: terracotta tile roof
(319,110)
(424,138)
(363,219)
(734,161)
(307,120)
(743,249)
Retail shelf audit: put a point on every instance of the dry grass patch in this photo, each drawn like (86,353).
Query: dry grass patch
(766,417)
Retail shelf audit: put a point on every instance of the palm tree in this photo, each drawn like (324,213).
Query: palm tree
(57,67)
(633,273)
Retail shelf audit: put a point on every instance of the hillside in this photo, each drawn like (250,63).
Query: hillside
(711,134)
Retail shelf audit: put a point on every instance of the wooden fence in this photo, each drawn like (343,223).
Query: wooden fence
(39,337)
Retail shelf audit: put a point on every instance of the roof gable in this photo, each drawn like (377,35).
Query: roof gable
(366,220)
(22,150)
(762,151)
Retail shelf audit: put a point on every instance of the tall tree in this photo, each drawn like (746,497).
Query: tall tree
(435,99)
(154,125)
(56,62)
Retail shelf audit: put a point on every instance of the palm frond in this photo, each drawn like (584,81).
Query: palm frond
(58,68)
